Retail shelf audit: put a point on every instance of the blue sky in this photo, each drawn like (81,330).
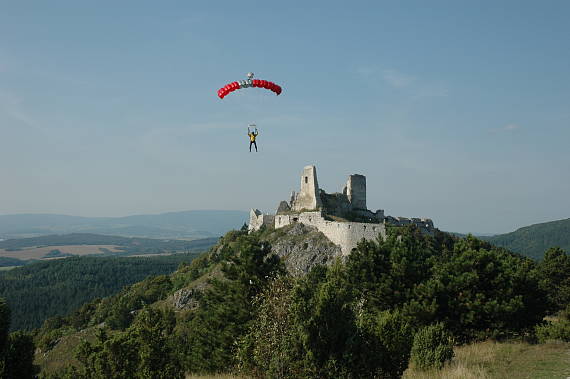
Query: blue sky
(454,110)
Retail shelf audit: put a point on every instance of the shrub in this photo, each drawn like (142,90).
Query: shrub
(271,347)
(553,331)
(433,346)
(390,338)
(565,313)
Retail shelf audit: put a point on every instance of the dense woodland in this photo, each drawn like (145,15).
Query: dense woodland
(534,240)
(54,288)
(16,349)
(408,298)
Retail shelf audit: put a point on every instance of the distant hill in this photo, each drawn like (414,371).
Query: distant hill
(20,251)
(187,224)
(128,244)
(534,240)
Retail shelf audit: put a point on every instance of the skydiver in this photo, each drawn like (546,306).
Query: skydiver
(252,136)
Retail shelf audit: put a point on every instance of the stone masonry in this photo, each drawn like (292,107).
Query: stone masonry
(342,217)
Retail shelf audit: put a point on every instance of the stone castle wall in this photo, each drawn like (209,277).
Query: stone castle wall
(344,234)
(258,219)
(311,204)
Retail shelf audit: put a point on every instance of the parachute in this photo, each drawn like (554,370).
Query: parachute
(250,82)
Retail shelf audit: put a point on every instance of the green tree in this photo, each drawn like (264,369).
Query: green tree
(480,293)
(271,346)
(19,357)
(145,350)
(386,272)
(16,349)
(433,346)
(226,308)
(4,324)
(554,271)
(389,342)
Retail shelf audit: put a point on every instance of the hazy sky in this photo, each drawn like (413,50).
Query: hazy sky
(454,110)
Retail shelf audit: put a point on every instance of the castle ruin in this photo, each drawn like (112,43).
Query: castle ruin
(342,217)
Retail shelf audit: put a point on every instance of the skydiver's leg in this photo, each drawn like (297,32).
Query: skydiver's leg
(250,143)
(255,143)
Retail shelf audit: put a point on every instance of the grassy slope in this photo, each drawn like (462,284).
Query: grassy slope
(503,360)
(63,353)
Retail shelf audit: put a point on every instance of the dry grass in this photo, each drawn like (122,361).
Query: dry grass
(503,360)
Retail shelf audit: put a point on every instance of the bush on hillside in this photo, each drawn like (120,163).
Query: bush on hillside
(482,292)
(391,335)
(433,346)
(271,346)
(554,271)
(553,331)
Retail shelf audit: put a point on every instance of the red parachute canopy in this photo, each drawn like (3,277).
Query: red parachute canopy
(225,90)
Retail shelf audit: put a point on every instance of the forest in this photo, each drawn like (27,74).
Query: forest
(405,300)
(42,290)
(534,240)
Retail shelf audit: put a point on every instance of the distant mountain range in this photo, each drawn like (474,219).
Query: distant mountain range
(534,240)
(531,240)
(182,225)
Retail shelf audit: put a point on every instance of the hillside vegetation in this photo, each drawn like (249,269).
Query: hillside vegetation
(402,301)
(532,241)
(55,288)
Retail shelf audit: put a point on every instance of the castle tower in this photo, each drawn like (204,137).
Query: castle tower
(356,191)
(308,198)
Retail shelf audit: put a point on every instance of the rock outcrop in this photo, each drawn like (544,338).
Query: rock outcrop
(301,247)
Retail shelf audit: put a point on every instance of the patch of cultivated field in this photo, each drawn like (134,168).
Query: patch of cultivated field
(40,252)
(503,360)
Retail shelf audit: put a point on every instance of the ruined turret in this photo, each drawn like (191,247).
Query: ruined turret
(308,198)
(356,191)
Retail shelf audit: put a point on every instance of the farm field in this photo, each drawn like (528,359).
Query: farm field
(40,252)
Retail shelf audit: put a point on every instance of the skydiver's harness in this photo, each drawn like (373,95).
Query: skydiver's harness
(252,138)
(252,135)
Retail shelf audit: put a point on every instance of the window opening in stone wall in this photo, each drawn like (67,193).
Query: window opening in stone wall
(295,219)
(306,179)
